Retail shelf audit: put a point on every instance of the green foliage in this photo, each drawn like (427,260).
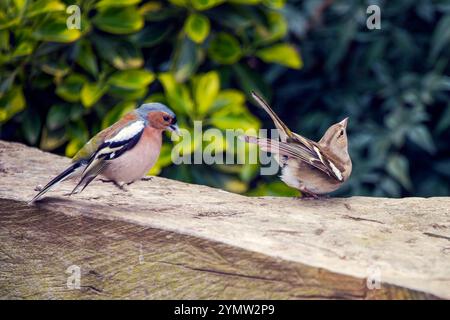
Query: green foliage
(60,86)
(393,83)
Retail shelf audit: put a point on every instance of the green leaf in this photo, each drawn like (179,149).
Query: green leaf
(6,84)
(233,184)
(6,23)
(225,49)
(225,120)
(126,94)
(73,146)
(282,54)
(250,80)
(205,88)
(116,3)
(444,122)
(390,187)
(248,2)
(156,11)
(122,55)
(23,49)
(19,4)
(58,69)
(276,30)
(31,127)
(11,103)
(4,40)
(78,130)
(197,27)
(56,31)
(151,35)
(277,188)
(57,116)
(398,167)
(117,112)
(70,88)
(249,172)
(186,59)
(276,4)
(50,140)
(228,99)
(420,135)
(205,4)
(441,37)
(44,6)
(78,134)
(177,94)
(86,58)
(181,3)
(132,79)
(92,92)
(119,20)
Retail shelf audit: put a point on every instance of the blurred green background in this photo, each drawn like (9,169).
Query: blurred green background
(314,60)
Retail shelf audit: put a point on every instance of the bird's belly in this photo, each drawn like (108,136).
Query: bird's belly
(300,175)
(135,163)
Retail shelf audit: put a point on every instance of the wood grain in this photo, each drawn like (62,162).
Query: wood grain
(167,239)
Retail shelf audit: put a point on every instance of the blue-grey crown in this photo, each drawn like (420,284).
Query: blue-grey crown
(144,109)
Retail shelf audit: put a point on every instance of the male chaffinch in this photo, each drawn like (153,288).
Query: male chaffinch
(312,167)
(123,152)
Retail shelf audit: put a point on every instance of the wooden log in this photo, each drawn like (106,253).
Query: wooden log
(168,239)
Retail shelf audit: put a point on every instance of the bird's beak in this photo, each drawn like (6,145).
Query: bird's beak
(174,128)
(344,123)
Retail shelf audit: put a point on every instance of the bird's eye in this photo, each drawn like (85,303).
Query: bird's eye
(166,118)
(341,133)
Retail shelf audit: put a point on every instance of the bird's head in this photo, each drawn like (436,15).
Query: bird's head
(159,116)
(335,138)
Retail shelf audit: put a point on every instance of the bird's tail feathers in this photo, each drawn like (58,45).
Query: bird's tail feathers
(69,172)
(278,123)
(88,177)
(280,147)
(267,145)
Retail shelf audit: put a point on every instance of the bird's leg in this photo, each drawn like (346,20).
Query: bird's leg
(147,178)
(121,185)
(306,194)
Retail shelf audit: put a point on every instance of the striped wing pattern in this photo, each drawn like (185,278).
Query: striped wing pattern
(112,148)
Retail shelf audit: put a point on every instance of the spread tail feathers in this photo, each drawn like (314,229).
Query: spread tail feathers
(284,130)
(70,171)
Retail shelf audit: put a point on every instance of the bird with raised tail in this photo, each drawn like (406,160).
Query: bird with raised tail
(121,153)
(314,168)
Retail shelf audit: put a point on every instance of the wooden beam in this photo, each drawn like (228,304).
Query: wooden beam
(167,239)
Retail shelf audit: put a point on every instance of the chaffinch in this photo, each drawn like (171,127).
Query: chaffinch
(312,167)
(123,152)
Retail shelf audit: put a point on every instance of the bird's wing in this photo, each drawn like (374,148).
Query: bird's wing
(91,147)
(298,151)
(297,146)
(112,147)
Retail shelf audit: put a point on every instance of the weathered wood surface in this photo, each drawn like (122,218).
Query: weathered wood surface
(167,239)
